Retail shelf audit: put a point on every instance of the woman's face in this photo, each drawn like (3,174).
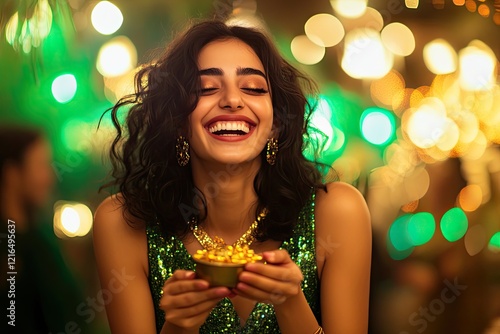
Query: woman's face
(234,115)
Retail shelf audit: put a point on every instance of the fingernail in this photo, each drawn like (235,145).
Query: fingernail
(189,274)
(269,256)
(250,266)
(222,292)
(202,284)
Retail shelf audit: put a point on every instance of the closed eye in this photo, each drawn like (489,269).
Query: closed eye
(255,90)
(207,91)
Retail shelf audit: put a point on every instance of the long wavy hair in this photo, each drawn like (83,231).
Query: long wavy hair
(155,189)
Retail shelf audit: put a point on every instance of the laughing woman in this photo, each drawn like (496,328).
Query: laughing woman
(212,146)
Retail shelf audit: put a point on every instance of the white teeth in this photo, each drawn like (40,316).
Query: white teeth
(230,126)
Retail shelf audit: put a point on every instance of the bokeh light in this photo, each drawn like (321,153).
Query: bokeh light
(31,31)
(377,125)
(386,90)
(494,243)
(72,219)
(477,67)
(349,8)
(398,38)
(106,18)
(398,233)
(324,29)
(475,240)
(421,228)
(306,51)
(117,57)
(470,197)
(365,57)
(64,88)
(440,57)
(413,4)
(454,224)
(429,126)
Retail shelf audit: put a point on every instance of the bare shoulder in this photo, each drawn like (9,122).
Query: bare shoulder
(343,225)
(340,202)
(114,236)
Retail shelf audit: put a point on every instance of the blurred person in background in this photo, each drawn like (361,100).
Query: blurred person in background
(46,295)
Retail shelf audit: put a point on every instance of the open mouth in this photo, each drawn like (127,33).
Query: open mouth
(229,129)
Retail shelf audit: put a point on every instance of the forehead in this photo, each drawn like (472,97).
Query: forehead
(228,53)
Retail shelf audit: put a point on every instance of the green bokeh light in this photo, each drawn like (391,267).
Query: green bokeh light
(495,242)
(421,228)
(454,224)
(396,254)
(325,139)
(377,126)
(64,88)
(398,233)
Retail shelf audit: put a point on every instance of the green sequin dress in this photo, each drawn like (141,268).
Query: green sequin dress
(167,255)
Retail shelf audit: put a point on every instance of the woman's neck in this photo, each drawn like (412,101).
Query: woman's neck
(230,197)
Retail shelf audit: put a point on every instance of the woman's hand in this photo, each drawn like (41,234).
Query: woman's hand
(272,283)
(187,301)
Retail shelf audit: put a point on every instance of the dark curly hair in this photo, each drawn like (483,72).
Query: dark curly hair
(155,189)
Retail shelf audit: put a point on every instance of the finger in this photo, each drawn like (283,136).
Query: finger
(249,292)
(194,310)
(180,287)
(269,285)
(279,256)
(193,298)
(179,275)
(276,272)
(190,322)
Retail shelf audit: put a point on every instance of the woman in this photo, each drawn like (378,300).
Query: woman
(213,147)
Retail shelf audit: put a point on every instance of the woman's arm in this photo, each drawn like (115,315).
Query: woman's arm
(121,256)
(343,237)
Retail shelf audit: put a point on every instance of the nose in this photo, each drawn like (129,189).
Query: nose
(231,99)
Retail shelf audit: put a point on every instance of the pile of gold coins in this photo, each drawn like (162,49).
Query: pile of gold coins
(228,254)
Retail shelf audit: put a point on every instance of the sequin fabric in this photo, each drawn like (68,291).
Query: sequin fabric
(169,254)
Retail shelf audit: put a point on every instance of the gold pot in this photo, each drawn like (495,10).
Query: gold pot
(219,273)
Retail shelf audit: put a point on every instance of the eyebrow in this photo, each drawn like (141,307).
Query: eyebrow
(239,71)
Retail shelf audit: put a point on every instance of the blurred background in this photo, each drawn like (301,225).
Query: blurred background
(409,113)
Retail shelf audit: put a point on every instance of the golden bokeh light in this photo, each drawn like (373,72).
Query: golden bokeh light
(116,57)
(401,101)
(324,29)
(410,206)
(72,219)
(349,8)
(306,51)
(475,240)
(365,57)
(471,5)
(440,57)
(477,67)
(483,10)
(398,38)
(470,197)
(384,90)
(413,4)
(106,18)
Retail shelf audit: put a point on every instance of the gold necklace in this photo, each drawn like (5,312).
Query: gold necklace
(218,243)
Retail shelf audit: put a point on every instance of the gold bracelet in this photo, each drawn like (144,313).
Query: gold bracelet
(319,331)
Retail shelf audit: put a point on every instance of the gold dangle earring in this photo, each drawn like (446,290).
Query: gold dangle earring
(272,150)
(182,150)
